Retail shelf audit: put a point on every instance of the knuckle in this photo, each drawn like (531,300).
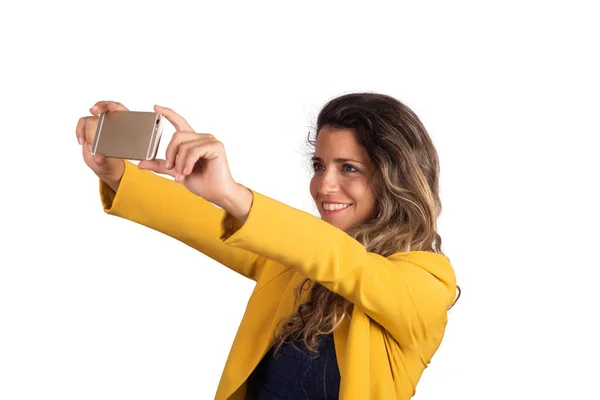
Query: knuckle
(185,147)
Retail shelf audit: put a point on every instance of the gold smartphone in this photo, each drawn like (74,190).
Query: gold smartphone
(130,135)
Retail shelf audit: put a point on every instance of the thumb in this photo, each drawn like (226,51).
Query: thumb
(100,160)
(158,166)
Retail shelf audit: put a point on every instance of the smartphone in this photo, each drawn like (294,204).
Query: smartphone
(130,135)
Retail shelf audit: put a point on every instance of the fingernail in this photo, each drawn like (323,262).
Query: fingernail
(80,140)
(176,177)
(89,147)
(168,165)
(186,170)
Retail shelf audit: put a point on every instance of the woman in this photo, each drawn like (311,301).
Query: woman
(352,305)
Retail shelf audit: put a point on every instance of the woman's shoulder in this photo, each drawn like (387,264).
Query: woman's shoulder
(435,263)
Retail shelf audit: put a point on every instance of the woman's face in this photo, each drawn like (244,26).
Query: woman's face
(340,184)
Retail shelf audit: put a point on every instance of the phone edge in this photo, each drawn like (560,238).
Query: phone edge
(153,145)
(97,134)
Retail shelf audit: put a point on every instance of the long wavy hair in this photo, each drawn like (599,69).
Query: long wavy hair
(406,185)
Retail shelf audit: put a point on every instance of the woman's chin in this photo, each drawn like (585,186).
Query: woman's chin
(332,221)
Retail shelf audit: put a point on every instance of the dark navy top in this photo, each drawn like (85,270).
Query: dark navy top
(295,373)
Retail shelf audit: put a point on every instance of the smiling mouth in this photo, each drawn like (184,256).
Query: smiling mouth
(336,211)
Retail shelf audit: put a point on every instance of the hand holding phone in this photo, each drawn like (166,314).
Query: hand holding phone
(109,170)
(131,135)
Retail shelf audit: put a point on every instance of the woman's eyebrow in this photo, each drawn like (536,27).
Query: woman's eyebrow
(338,160)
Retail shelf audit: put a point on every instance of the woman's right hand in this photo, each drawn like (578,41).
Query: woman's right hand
(109,170)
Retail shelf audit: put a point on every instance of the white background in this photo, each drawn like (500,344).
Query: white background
(97,307)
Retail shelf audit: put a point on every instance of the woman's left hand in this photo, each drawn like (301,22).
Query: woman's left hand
(197,160)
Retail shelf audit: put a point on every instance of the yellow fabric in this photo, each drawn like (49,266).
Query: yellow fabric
(400,302)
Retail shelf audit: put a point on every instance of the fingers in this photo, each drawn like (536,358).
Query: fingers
(103,106)
(156,165)
(80,130)
(175,119)
(191,152)
(184,151)
(176,153)
(173,148)
(86,126)
(86,129)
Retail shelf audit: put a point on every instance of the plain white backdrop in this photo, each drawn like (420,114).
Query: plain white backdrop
(97,307)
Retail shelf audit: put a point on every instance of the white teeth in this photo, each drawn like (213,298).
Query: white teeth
(334,207)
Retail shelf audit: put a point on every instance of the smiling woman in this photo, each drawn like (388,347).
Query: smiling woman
(340,184)
(351,305)
(376,178)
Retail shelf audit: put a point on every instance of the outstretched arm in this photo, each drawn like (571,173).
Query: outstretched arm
(168,207)
(407,293)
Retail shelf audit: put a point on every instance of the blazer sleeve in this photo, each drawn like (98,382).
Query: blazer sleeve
(407,293)
(169,207)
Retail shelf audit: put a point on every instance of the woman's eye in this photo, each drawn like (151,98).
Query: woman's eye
(345,167)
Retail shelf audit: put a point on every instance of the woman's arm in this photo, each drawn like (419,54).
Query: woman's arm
(407,293)
(168,207)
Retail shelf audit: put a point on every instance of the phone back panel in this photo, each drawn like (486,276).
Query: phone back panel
(131,135)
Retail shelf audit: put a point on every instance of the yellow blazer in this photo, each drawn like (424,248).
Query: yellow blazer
(400,302)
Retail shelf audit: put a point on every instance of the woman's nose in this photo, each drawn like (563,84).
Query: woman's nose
(329,183)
